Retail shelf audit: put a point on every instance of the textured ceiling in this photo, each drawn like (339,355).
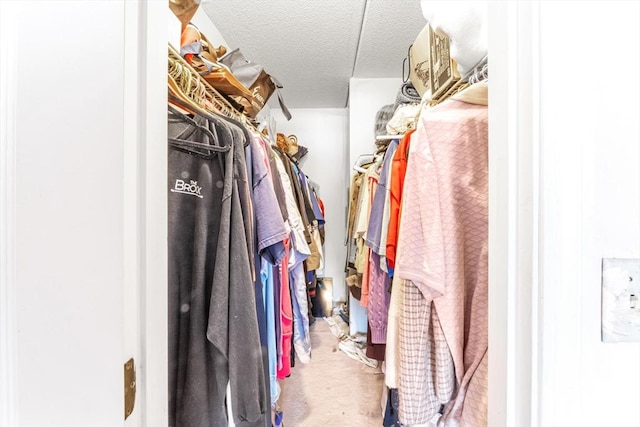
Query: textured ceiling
(314,47)
(388,30)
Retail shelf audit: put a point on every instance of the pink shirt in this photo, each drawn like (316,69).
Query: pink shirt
(444,232)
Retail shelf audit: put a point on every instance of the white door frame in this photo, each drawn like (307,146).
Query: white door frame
(8,315)
(514,305)
(513,215)
(145,221)
(146,206)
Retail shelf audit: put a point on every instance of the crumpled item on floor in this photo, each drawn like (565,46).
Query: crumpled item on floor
(352,346)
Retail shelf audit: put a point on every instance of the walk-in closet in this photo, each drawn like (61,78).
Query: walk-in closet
(381,261)
(325,213)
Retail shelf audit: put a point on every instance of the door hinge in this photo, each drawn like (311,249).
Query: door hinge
(129,387)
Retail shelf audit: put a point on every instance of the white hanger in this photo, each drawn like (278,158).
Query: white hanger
(361,160)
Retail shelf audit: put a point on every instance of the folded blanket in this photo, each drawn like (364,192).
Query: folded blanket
(407,95)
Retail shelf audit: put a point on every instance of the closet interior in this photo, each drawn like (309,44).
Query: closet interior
(281,236)
(86,190)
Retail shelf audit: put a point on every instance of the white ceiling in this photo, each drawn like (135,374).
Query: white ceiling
(314,47)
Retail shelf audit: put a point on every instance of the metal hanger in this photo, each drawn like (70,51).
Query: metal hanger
(481,69)
(201,148)
(481,73)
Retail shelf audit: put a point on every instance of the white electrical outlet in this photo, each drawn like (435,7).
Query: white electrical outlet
(620,300)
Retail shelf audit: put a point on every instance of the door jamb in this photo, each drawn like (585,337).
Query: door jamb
(8,284)
(514,303)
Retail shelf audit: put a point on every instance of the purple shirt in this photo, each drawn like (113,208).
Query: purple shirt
(374,230)
(270,228)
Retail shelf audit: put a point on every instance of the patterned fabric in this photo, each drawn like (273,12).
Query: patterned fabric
(444,227)
(407,95)
(427,377)
(418,400)
(473,408)
(379,298)
(444,374)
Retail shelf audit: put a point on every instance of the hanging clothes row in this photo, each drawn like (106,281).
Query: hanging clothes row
(418,249)
(245,233)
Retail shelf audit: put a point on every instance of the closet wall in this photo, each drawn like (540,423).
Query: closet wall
(366,97)
(324,132)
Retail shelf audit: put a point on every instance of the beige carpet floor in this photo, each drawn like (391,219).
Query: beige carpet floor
(332,390)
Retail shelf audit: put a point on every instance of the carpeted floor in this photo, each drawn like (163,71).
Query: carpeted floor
(332,390)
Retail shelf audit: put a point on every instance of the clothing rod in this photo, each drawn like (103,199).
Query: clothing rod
(388,137)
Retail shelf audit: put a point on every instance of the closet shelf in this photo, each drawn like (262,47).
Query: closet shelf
(200,88)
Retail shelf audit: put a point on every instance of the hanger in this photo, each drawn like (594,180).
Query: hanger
(190,93)
(188,105)
(406,65)
(480,72)
(473,74)
(362,160)
(193,84)
(199,147)
(187,88)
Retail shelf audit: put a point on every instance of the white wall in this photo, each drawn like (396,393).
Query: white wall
(208,28)
(324,133)
(366,97)
(590,206)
